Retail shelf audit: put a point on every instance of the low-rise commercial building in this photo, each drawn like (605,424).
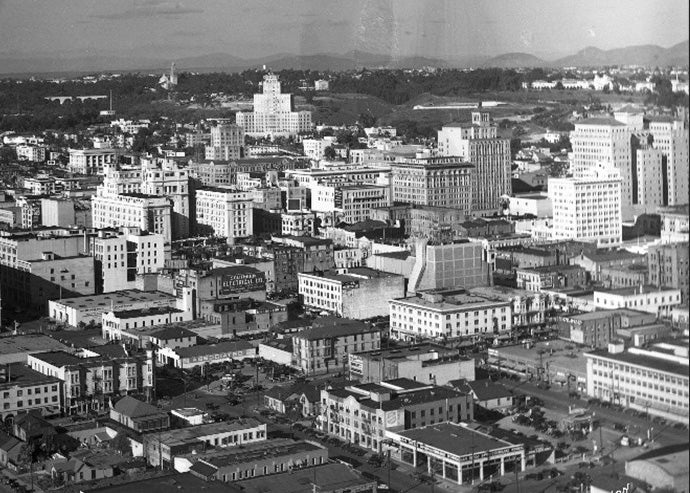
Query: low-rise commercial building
(189,357)
(551,277)
(85,309)
(596,329)
(327,478)
(161,448)
(457,453)
(360,293)
(650,299)
(653,379)
(258,459)
(364,413)
(426,363)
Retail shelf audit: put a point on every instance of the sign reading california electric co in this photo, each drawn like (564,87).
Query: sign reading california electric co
(241,282)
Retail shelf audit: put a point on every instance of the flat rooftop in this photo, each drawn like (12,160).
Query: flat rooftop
(636,290)
(194,433)
(450,303)
(32,343)
(179,483)
(145,312)
(257,451)
(206,349)
(115,298)
(405,352)
(643,360)
(455,439)
(327,477)
(21,375)
(329,327)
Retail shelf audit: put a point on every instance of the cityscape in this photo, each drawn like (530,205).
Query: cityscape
(344,247)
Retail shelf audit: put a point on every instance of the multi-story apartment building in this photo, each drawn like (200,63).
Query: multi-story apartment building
(315,148)
(671,137)
(273,113)
(603,140)
(551,277)
(448,314)
(91,161)
(151,213)
(478,143)
(41,185)
(227,142)
(225,212)
(354,202)
(33,153)
(528,309)
(340,175)
(120,257)
(325,346)
(652,379)
(650,299)
(434,181)
(359,293)
(89,379)
(669,266)
(362,413)
(24,390)
(447,265)
(587,207)
(213,173)
(35,281)
(596,329)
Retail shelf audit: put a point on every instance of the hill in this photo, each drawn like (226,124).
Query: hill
(647,55)
(515,60)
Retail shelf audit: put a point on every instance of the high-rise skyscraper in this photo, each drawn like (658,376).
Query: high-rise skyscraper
(604,140)
(273,113)
(670,136)
(226,143)
(478,144)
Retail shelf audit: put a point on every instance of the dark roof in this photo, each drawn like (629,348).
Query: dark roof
(203,469)
(221,347)
(58,358)
(326,477)
(179,483)
(172,332)
(455,439)
(281,393)
(413,398)
(668,450)
(605,255)
(396,255)
(327,327)
(133,408)
(486,390)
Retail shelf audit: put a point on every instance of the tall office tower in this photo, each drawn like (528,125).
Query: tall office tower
(227,142)
(671,138)
(273,113)
(604,140)
(436,181)
(478,144)
(587,206)
(647,187)
(168,180)
(224,212)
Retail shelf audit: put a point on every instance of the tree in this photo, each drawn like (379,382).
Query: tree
(329,153)
(121,443)
(26,458)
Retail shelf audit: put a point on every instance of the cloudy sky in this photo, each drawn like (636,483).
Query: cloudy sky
(253,28)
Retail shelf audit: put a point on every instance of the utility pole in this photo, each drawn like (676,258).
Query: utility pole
(517,476)
(389,467)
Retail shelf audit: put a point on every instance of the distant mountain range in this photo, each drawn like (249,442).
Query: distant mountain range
(648,55)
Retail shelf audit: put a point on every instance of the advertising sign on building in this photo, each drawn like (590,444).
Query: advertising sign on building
(241,282)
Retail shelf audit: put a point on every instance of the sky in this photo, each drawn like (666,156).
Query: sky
(446,29)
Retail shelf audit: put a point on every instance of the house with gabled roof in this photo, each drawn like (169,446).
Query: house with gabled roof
(138,415)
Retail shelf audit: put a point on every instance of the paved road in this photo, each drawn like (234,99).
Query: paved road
(558,400)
